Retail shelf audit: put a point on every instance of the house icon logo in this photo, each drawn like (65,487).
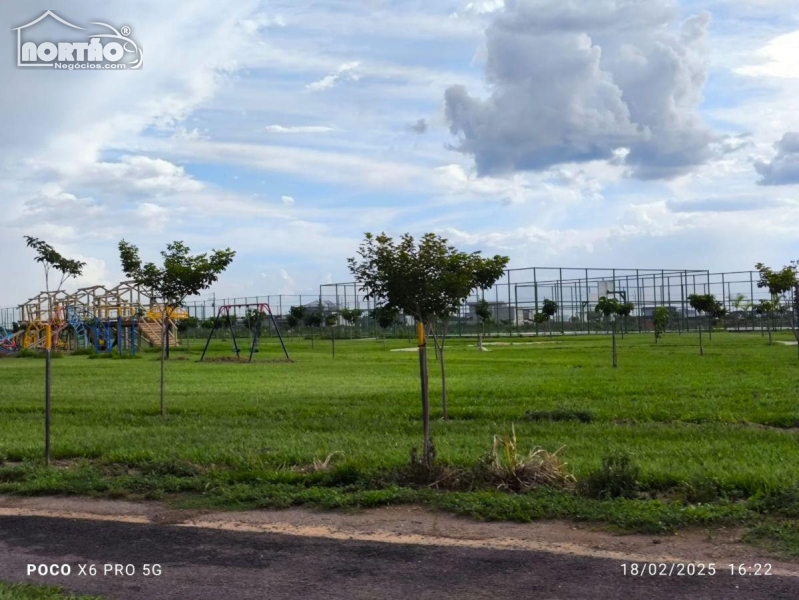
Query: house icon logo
(109,49)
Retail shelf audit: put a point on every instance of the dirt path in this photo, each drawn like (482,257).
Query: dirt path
(398,552)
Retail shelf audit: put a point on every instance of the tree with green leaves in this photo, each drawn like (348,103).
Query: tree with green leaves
(313,320)
(550,309)
(250,318)
(742,306)
(331,320)
(625,310)
(484,316)
(66,268)
(765,309)
(429,280)
(609,308)
(705,304)
(188,323)
(351,317)
(660,321)
(296,318)
(779,283)
(181,275)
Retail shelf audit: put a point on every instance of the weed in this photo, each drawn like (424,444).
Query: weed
(581,416)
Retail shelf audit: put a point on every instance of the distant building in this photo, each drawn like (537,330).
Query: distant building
(502,312)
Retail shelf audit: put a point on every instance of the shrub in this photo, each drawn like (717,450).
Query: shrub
(617,477)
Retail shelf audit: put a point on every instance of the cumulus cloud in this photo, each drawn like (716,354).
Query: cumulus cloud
(344,73)
(594,82)
(287,200)
(142,174)
(779,58)
(783,169)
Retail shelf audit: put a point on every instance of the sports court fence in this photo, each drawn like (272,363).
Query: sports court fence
(519,295)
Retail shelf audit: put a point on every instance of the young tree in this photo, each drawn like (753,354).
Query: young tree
(351,317)
(779,283)
(609,308)
(703,304)
(765,308)
(182,275)
(296,318)
(660,321)
(484,315)
(331,321)
(625,310)
(741,306)
(386,318)
(314,320)
(427,280)
(550,309)
(461,274)
(51,260)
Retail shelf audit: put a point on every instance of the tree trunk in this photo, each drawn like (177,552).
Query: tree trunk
(163,367)
(710,328)
(423,374)
(769,325)
(333,340)
(440,353)
(47,405)
(701,347)
(480,334)
(613,337)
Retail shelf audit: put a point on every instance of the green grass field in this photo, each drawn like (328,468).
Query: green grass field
(36,592)
(713,435)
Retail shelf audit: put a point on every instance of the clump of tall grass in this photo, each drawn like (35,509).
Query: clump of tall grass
(508,469)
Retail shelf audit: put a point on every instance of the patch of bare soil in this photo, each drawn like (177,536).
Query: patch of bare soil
(418,526)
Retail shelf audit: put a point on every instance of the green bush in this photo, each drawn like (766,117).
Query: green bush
(617,477)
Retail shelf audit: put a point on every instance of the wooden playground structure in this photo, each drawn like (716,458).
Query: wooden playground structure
(105,319)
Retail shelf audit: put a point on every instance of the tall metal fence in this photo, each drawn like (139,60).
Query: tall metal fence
(519,295)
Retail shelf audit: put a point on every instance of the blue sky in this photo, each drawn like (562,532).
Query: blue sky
(628,133)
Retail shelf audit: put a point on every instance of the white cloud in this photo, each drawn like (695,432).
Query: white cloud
(298,129)
(344,73)
(141,174)
(576,85)
(287,200)
(779,58)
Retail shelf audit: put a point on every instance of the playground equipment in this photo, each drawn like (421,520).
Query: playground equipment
(9,342)
(228,320)
(104,319)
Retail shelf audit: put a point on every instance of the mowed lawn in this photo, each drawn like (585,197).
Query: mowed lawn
(726,417)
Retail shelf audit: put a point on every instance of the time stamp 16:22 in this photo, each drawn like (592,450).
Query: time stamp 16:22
(646,569)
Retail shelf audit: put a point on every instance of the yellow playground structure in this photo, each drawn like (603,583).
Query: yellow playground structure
(122,318)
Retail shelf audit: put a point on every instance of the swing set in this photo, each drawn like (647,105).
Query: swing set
(226,318)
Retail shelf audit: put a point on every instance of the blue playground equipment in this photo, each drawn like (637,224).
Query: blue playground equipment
(103,334)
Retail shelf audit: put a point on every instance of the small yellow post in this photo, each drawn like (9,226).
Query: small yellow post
(48,342)
(420,333)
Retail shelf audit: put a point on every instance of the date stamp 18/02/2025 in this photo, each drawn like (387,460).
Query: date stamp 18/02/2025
(653,569)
